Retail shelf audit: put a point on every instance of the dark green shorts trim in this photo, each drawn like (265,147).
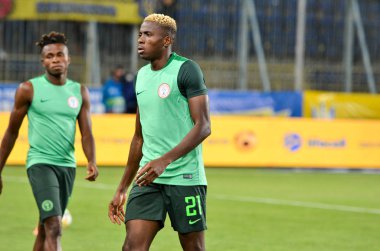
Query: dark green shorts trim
(52,186)
(186,206)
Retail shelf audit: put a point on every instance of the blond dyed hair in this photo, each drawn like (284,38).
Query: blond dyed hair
(163,21)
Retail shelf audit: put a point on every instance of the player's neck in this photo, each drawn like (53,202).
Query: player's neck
(161,62)
(56,80)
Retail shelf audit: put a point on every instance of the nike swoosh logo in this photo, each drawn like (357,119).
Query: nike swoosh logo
(191,222)
(44,100)
(138,93)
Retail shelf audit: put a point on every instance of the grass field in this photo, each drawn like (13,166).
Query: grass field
(248,209)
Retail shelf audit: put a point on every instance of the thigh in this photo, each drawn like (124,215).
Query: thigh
(140,234)
(146,203)
(66,184)
(187,208)
(45,186)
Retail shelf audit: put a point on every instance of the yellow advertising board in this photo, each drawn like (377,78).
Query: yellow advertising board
(293,142)
(244,141)
(110,11)
(318,104)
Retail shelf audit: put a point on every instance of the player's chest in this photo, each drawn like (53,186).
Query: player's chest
(57,102)
(157,91)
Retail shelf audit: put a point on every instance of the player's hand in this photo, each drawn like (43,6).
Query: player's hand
(150,171)
(116,208)
(92,172)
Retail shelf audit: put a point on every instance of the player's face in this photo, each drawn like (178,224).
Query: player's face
(152,41)
(55,59)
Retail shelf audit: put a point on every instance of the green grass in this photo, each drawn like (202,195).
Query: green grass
(248,209)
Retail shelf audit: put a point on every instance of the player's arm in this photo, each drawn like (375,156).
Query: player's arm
(23,98)
(200,114)
(115,207)
(88,142)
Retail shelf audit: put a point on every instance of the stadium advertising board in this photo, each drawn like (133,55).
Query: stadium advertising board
(318,104)
(276,142)
(244,141)
(111,11)
(280,103)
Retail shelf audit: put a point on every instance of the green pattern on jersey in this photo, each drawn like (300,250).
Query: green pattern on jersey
(165,120)
(52,119)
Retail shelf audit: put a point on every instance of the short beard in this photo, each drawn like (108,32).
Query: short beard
(55,74)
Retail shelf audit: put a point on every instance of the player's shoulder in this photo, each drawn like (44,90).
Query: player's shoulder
(180,58)
(190,67)
(191,64)
(25,86)
(25,90)
(185,62)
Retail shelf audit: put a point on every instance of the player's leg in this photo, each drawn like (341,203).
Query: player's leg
(66,178)
(40,238)
(53,233)
(140,234)
(194,241)
(45,185)
(187,212)
(145,216)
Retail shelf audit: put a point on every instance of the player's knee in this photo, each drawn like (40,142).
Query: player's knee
(194,246)
(129,245)
(192,242)
(199,246)
(40,231)
(53,227)
(125,247)
(134,244)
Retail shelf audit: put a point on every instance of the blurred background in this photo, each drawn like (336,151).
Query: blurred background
(273,59)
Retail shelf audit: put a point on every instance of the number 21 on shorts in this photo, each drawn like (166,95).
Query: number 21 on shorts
(194,206)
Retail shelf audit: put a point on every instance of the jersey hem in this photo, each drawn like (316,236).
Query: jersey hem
(71,165)
(180,183)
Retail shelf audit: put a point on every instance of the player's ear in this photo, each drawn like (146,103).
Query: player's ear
(167,41)
(68,60)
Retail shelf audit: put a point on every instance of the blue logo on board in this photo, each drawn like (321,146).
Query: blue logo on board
(293,141)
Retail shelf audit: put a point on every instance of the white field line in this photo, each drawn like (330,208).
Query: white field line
(295,203)
(84,184)
(271,201)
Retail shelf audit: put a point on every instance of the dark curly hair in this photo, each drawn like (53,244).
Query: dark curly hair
(51,38)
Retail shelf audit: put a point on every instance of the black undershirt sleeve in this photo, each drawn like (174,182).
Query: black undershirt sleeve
(190,80)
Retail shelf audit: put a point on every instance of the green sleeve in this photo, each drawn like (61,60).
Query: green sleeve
(190,80)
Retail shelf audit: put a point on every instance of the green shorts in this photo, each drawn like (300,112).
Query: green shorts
(52,186)
(186,206)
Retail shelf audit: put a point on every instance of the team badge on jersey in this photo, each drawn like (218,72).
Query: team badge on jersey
(73,102)
(164,90)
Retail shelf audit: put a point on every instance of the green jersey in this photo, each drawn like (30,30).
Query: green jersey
(52,119)
(165,119)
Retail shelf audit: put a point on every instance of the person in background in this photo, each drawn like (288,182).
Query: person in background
(129,93)
(53,104)
(113,91)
